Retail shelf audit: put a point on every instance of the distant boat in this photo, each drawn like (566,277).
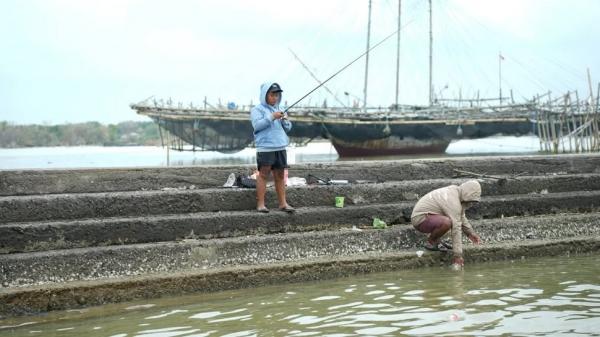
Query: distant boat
(352,134)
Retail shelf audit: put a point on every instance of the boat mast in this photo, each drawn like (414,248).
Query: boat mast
(367,59)
(500,58)
(430,55)
(398,54)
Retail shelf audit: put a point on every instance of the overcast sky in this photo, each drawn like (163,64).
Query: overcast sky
(76,60)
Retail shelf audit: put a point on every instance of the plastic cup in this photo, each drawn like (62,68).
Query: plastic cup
(339,202)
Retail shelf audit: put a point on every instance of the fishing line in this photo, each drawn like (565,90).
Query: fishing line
(346,66)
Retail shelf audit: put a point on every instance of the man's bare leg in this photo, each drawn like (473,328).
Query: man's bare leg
(436,225)
(278,175)
(261,185)
(437,233)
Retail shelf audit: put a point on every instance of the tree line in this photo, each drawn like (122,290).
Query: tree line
(78,134)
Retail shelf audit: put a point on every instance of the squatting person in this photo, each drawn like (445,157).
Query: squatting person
(443,209)
(270,137)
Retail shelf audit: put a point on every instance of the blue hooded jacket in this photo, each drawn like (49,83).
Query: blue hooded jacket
(269,134)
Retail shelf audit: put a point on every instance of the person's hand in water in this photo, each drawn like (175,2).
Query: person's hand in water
(458,263)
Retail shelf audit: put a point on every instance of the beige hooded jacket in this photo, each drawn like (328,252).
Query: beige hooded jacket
(447,201)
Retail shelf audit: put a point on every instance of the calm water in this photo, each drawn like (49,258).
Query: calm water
(533,297)
(133,156)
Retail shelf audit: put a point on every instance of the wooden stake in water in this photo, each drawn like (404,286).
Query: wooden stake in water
(168,147)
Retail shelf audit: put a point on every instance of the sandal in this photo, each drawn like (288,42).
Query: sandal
(438,247)
(447,244)
(288,209)
(262,210)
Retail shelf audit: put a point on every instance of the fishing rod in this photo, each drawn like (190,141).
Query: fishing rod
(339,71)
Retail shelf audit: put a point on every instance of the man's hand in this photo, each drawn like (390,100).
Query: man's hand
(475,238)
(458,263)
(278,115)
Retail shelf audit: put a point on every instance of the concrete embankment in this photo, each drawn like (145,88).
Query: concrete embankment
(36,182)
(86,237)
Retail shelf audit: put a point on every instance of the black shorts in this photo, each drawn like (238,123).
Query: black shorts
(276,159)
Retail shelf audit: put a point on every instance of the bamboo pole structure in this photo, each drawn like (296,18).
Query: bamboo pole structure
(567,109)
(538,123)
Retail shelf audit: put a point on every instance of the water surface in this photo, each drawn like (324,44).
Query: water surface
(136,156)
(532,297)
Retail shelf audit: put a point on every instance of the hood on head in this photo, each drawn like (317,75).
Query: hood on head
(470,191)
(264,88)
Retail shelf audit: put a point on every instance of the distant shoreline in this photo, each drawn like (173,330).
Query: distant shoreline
(79,134)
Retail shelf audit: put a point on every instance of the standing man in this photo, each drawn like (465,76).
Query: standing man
(270,137)
(443,209)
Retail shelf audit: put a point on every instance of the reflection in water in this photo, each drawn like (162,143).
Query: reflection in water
(558,297)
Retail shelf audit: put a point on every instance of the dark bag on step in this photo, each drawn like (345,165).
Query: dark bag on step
(245,181)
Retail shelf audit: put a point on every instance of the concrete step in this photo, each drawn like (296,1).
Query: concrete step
(43,235)
(145,203)
(28,182)
(26,269)
(71,295)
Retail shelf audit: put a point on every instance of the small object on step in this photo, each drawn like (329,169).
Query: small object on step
(365,181)
(296,181)
(230,180)
(355,229)
(312,179)
(379,224)
(338,182)
(339,202)
(420,253)
(247,181)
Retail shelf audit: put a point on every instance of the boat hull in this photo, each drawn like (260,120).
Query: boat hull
(391,146)
(352,136)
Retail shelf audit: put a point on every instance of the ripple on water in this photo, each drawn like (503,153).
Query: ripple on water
(326,298)
(414,292)
(352,304)
(241,333)
(583,287)
(209,314)
(141,306)
(168,332)
(383,298)
(377,331)
(375,292)
(3,327)
(233,318)
(490,302)
(172,312)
